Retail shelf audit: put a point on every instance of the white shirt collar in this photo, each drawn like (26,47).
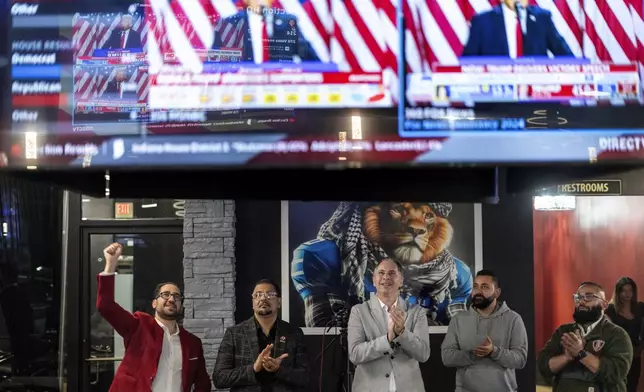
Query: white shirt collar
(384,305)
(166,329)
(585,332)
(506,9)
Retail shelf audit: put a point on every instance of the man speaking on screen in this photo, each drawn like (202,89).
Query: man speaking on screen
(125,37)
(264,33)
(515,29)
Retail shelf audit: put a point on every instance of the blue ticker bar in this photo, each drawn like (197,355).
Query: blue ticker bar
(114,53)
(41,72)
(313,66)
(494,60)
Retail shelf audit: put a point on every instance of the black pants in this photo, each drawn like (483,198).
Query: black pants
(633,377)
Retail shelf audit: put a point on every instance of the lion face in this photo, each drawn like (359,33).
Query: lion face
(410,233)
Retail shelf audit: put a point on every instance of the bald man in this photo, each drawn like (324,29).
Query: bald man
(591,354)
(124,37)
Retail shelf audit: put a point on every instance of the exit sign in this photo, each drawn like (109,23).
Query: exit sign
(124,210)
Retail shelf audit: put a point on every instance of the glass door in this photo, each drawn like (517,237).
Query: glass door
(149,257)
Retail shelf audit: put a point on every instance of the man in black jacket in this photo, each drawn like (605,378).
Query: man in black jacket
(263,353)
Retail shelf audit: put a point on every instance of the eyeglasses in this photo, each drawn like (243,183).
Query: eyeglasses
(267,295)
(166,295)
(586,297)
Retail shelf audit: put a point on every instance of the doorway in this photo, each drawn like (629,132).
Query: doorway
(150,255)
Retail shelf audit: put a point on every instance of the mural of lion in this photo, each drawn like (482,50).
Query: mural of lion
(335,270)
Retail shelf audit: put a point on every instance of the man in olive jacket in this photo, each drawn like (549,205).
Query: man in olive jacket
(591,354)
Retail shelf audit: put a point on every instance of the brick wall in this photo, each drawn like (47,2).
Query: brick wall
(209,271)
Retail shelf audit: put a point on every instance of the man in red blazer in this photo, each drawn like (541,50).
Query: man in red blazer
(160,356)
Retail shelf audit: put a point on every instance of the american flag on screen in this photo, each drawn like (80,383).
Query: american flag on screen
(92,82)
(361,35)
(600,30)
(90,32)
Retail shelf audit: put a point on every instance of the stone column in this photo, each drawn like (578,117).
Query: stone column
(209,271)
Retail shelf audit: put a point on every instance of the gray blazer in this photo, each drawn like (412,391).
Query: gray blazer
(376,358)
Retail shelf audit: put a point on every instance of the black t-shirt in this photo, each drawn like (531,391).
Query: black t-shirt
(632,326)
(264,378)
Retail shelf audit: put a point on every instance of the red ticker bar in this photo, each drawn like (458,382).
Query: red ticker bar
(36,101)
(536,68)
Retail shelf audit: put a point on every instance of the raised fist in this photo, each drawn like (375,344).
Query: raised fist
(112,254)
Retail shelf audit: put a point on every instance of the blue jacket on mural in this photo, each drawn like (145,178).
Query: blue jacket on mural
(316,272)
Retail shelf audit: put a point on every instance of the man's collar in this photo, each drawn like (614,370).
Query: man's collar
(259,326)
(166,329)
(587,330)
(506,10)
(384,305)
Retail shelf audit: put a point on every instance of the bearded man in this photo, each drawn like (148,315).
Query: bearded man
(591,354)
(487,343)
(160,356)
(335,270)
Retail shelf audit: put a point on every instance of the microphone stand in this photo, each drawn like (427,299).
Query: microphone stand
(345,379)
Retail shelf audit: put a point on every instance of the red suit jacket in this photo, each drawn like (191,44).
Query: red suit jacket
(143,339)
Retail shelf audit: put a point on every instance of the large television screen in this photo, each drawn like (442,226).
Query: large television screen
(293,83)
(199,82)
(475,71)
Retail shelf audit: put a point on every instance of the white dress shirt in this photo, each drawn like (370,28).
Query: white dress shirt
(510,18)
(256,22)
(585,332)
(392,379)
(168,378)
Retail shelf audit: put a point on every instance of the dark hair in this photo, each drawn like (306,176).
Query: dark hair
(490,273)
(157,289)
(590,283)
(272,283)
(619,287)
(398,265)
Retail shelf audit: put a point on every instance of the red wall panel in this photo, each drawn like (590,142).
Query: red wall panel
(601,240)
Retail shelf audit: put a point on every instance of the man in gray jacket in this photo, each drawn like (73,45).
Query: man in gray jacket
(386,338)
(487,342)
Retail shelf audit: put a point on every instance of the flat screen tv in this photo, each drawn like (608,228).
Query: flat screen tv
(319,83)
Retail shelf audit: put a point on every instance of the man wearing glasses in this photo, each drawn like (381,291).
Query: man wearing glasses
(263,353)
(160,356)
(591,354)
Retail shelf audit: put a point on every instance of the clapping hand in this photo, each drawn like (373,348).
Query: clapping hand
(484,349)
(391,335)
(572,343)
(398,318)
(273,364)
(259,362)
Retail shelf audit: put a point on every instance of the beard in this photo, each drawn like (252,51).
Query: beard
(264,310)
(587,316)
(481,302)
(169,312)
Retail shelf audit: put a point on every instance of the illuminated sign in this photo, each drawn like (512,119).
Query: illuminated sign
(590,188)
(124,210)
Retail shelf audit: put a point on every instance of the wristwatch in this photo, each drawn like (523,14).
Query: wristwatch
(582,354)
